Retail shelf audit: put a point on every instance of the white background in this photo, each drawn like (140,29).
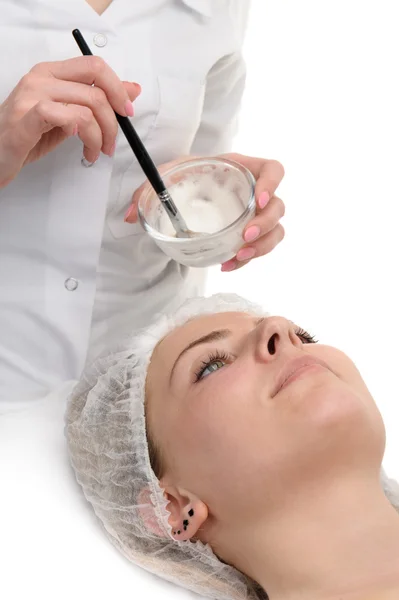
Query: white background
(322,98)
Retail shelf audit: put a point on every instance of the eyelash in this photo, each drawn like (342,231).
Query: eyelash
(217,355)
(310,339)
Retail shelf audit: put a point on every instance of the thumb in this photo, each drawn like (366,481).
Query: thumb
(133,89)
(131,215)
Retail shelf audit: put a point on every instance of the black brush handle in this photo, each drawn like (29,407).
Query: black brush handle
(131,135)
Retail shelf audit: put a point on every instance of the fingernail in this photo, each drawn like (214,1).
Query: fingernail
(252,233)
(230,265)
(75,130)
(87,164)
(112,151)
(138,86)
(129,109)
(245,254)
(129,212)
(263,199)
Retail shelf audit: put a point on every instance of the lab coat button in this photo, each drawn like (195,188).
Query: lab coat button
(71,284)
(100,40)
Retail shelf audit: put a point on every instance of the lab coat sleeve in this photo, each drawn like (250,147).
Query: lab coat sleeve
(225,85)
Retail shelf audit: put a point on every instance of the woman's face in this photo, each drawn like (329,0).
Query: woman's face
(230,434)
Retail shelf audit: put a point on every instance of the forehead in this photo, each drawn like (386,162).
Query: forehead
(169,348)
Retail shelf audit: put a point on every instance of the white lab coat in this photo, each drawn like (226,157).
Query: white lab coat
(73,276)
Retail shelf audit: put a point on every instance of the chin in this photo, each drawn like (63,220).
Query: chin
(348,421)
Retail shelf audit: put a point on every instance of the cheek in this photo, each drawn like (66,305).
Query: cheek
(340,364)
(225,435)
(352,380)
(334,423)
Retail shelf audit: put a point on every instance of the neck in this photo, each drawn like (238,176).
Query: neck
(329,543)
(99,6)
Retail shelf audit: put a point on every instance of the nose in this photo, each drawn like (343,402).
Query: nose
(274,336)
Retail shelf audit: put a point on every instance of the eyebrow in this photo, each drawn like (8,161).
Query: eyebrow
(213,336)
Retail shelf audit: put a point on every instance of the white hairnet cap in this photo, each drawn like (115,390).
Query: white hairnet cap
(107,441)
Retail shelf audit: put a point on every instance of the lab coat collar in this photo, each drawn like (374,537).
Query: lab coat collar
(204,7)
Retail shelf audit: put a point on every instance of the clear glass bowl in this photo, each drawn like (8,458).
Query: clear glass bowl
(216,197)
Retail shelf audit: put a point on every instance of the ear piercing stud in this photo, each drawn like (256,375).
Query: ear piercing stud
(185,522)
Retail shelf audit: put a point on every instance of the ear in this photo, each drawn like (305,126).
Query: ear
(147,514)
(187,513)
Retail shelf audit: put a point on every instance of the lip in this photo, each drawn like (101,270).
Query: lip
(294,367)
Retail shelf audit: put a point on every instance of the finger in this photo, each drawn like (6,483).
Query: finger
(262,169)
(229,266)
(28,130)
(269,177)
(92,97)
(268,173)
(79,120)
(131,215)
(89,132)
(91,70)
(265,245)
(265,221)
(133,89)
